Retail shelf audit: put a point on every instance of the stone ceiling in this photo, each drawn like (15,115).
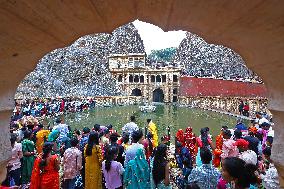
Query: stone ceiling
(254,29)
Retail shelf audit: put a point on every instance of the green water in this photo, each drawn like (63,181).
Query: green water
(164,116)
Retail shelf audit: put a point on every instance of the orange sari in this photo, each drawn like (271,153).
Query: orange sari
(48,178)
(218,151)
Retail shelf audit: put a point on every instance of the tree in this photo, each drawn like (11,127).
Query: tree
(163,55)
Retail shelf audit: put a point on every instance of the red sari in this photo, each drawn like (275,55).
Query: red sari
(190,142)
(48,178)
(180,137)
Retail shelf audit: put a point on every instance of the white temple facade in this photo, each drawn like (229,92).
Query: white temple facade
(136,79)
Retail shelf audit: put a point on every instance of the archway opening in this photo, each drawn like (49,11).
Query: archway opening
(136,92)
(158,95)
(199,65)
(238,32)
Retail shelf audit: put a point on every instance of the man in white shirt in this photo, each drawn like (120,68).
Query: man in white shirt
(72,164)
(62,128)
(261,119)
(245,154)
(130,127)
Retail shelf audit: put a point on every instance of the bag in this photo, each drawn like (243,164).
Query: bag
(12,181)
(79,182)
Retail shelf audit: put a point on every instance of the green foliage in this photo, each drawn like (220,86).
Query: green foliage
(164,55)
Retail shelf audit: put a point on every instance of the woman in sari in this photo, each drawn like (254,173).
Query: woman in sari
(45,172)
(161,175)
(190,142)
(204,141)
(218,150)
(148,146)
(180,136)
(93,162)
(52,137)
(41,137)
(28,148)
(137,174)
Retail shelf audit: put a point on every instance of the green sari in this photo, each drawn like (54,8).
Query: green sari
(137,173)
(28,161)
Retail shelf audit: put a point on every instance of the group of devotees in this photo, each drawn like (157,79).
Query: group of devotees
(99,156)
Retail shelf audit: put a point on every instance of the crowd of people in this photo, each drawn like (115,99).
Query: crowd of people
(26,109)
(100,157)
(240,157)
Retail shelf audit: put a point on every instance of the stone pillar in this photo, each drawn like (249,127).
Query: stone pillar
(278,147)
(5,145)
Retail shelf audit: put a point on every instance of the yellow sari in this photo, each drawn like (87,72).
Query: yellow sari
(93,167)
(40,139)
(153,130)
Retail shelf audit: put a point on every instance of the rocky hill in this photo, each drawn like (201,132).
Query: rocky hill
(201,59)
(81,69)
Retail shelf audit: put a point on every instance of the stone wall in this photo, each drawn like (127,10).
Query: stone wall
(225,104)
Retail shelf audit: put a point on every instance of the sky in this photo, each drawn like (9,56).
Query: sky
(155,38)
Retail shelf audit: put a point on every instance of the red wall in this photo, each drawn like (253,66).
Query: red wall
(191,86)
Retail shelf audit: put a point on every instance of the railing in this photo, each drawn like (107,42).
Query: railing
(118,100)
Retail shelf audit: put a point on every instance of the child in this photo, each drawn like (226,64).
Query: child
(112,169)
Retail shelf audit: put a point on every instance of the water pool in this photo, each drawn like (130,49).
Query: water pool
(164,116)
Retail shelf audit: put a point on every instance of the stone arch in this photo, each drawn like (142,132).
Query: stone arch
(136,92)
(158,95)
(238,26)
(158,78)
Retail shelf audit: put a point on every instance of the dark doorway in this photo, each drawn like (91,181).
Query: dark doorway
(158,78)
(131,79)
(120,78)
(152,78)
(164,78)
(136,92)
(136,79)
(158,95)
(175,78)
(141,79)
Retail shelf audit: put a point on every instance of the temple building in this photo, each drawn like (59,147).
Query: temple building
(159,84)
